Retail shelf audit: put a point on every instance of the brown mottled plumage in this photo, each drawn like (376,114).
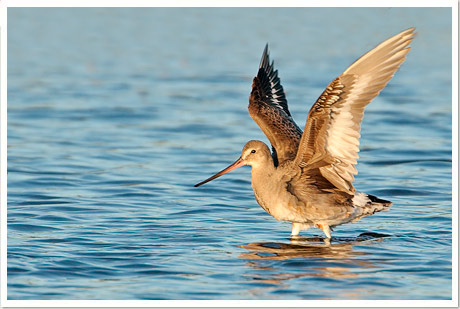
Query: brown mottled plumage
(308,178)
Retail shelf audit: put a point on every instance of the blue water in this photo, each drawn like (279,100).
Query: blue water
(114,114)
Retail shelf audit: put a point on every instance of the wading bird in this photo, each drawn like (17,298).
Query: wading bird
(307,178)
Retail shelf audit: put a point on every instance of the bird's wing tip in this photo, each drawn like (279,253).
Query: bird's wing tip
(410,32)
(265,57)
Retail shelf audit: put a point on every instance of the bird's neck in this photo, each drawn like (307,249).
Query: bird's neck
(263,182)
(263,170)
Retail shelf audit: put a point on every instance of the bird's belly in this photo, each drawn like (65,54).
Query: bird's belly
(286,207)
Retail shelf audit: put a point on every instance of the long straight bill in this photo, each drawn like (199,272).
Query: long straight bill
(231,167)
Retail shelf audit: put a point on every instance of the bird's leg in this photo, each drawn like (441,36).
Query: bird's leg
(326,229)
(296,227)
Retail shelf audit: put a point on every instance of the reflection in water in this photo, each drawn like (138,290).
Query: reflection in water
(276,263)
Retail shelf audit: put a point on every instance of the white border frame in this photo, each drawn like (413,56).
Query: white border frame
(3,159)
(455,188)
(228,3)
(4,4)
(229,303)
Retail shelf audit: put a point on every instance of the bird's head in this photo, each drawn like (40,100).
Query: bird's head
(254,153)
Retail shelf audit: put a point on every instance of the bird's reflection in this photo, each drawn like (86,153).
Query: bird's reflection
(307,257)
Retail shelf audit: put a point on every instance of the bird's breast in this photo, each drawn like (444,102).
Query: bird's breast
(272,195)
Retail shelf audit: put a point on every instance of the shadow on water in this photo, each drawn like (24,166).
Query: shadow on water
(309,247)
(308,257)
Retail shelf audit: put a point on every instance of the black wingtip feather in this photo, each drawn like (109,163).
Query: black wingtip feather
(269,83)
(265,58)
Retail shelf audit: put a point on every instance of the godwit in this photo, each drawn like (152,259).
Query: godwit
(307,179)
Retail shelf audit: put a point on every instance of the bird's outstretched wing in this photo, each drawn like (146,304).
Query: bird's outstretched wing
(268,107)
(330,141)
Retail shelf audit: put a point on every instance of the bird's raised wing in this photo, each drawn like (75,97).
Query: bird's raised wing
(268,107)
(331,137)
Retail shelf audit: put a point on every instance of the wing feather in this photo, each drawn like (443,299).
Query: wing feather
(330,141)
(268,107)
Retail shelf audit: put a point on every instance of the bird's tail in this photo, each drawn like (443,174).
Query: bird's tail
(369,204)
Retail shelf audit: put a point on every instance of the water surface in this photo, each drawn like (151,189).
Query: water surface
(114,114)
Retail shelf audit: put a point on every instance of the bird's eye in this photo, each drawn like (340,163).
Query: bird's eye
(253,151)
